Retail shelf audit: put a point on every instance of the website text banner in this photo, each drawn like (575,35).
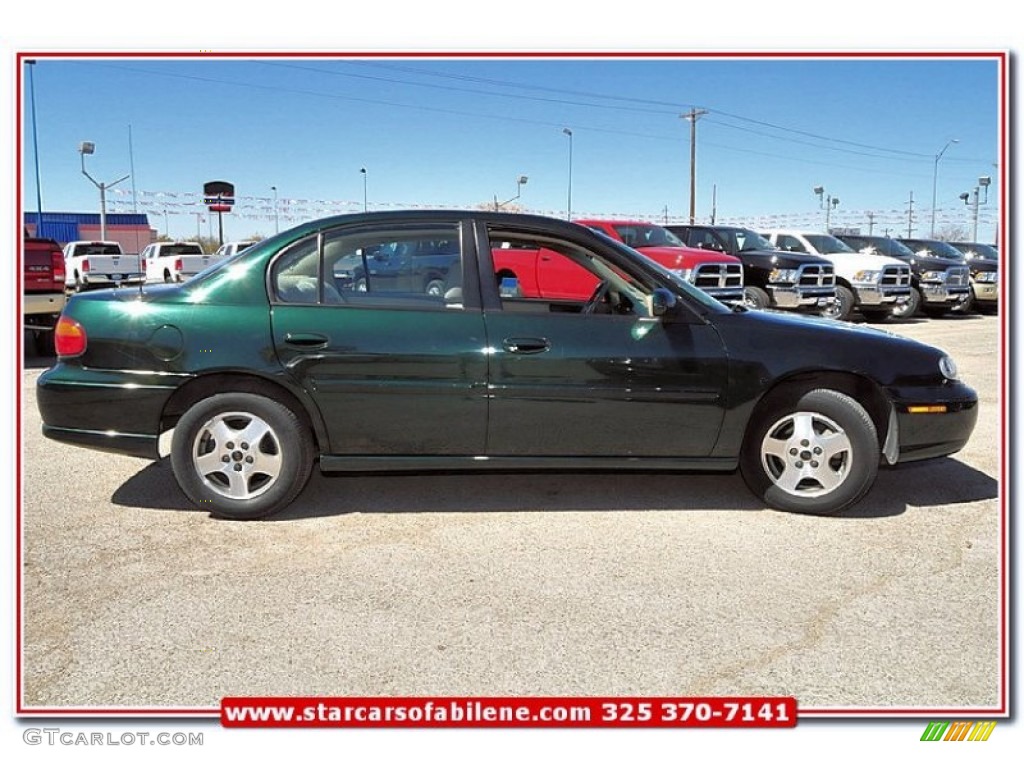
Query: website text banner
(508,712)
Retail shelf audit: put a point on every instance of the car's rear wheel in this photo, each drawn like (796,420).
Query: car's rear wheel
(241,455)
(815,453)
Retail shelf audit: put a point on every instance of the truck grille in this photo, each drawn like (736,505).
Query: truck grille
(724,275)
(957,277)
(817,275)
(896,276)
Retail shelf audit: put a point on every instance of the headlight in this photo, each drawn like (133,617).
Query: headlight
(686,274)
(934,276)
(987,277)
(783,275)
(867,276)
(947,367)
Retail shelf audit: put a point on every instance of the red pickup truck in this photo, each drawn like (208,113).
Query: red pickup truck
(43,297)
(717,274)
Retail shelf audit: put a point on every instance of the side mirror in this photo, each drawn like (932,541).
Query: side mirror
(662,300)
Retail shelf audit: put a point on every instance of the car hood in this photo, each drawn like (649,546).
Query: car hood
(862,260)
(676,257)
(754,337)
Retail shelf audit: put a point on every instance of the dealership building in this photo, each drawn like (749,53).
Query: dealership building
(131,230)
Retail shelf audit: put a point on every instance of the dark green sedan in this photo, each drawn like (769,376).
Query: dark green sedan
(277,360)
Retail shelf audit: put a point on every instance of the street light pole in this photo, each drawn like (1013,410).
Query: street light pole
(35,144)
(276,225)
(692,116)
(935,179)
(827,202)
(88,148)
(363,171)
(519,190)
(568,206)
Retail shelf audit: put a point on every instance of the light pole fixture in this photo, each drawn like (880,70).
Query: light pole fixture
(277,227)
(935,178)
(983,183)
(568,205)
(35,144)
(89,148)
(363,171)
(827,202)
(519,191)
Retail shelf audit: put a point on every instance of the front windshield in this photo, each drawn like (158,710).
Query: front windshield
(646,236)
(977,250)
(745,240)
(828,244)
(876,244)
(937,248)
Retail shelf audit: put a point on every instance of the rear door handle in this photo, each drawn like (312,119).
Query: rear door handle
(527,346)
(306,340)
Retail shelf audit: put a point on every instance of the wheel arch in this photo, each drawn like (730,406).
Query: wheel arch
(861,388)
(219,382)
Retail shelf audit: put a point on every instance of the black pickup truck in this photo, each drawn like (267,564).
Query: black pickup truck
(938,285)
(774,278)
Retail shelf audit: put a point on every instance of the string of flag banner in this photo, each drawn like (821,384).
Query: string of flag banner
(297,210)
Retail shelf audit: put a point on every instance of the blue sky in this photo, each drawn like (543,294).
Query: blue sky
(458,132)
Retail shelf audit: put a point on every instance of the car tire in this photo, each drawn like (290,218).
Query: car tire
(816,453)
(967,306)
(756,298)
(842,307)
(434,287)
(910,307)
(269,452)
(45,343)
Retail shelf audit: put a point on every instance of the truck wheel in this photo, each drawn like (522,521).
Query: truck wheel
(241,455)
(966,307)
(434,287)
(909,308)
(841,308)
(756,298)
(167,276)
(816,453)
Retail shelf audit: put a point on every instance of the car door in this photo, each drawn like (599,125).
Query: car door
(394,372)
(597,379)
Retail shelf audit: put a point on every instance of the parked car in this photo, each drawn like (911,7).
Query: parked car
(983,261)
(938,285)
(870,283)
(417,266)
(268,364)
(773,278)
(44,297)
(100,264)
(174,262)
(717,274)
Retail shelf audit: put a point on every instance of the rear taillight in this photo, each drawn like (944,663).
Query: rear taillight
(142,265)
(178,265)
(57,266)
(69,337)
(85,265)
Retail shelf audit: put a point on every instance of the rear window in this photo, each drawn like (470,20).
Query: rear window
(98,249)
(183,249)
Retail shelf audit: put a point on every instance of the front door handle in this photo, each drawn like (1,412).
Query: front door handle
(306,340)
(526,346)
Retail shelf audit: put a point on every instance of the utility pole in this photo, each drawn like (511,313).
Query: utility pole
(910,217)
(871,223)
(714,203)
(692,116)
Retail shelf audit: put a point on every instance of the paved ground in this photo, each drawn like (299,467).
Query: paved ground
(517,584)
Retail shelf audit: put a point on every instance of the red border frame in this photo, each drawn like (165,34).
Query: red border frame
(1005,270)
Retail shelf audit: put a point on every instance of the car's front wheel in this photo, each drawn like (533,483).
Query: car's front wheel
(816,453)
(756,298)
(841,308)
(241,455)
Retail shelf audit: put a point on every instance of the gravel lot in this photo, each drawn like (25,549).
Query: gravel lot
(635,584)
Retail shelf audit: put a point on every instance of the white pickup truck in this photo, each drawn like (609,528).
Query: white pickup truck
(230,249)
(100,264)
(174,262)
(873,284)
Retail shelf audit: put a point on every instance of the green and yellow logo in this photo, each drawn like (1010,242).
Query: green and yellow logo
(962,730)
